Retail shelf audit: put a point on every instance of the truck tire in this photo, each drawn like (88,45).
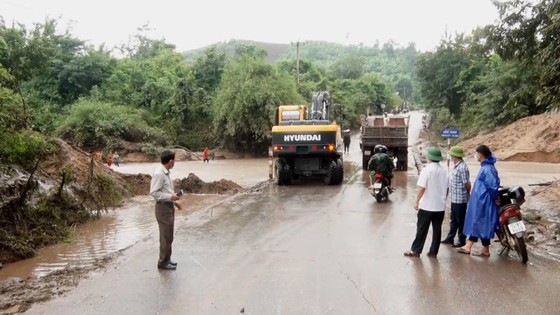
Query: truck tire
(283,173)
(335,174)
(339,172)
(330,178)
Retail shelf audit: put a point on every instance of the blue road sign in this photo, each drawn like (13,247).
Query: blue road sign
(450,133)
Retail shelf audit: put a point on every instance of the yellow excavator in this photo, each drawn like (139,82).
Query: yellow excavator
(307,144)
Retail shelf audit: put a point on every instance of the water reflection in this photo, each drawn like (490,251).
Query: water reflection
(116,230)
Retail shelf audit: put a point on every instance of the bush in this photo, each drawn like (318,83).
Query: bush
(97,124)
(151,151)
(23,147)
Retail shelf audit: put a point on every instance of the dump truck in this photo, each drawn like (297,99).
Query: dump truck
(390,131)
(306,144)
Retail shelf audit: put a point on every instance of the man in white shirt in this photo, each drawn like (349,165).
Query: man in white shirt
(430,204)
(161,189)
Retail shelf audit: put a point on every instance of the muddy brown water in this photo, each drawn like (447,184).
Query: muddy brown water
(114,231)
(122,228)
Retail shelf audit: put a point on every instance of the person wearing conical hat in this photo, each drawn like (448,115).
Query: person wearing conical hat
(459,188)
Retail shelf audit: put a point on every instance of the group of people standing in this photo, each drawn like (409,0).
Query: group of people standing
(112,158)
(474,208)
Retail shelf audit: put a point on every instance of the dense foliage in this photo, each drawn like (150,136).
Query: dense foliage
(500,72)
(225,95)
(94,124)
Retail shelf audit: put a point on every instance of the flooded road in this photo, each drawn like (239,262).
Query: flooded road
(301,249)
(114,231)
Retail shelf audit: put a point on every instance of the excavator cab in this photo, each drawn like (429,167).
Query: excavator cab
(289,113)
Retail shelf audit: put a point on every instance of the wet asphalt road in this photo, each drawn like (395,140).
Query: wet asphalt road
(312,249)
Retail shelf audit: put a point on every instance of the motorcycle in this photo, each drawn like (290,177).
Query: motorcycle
(512,229)
(380,188)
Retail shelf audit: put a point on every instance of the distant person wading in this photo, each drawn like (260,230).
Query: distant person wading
(205,155)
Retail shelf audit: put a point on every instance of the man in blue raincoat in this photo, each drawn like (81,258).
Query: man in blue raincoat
(482,212)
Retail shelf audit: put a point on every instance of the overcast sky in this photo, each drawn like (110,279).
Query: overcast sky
(193,24)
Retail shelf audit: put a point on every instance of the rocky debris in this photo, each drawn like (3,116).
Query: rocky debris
(550,193)
(11,186)
(543,217)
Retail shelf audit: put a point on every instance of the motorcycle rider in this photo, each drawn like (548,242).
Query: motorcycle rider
(381,163)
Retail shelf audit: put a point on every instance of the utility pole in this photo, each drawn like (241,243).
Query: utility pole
(297,44)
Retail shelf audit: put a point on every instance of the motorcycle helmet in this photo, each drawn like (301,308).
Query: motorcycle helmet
(383,149)
(377,148)
(516,193)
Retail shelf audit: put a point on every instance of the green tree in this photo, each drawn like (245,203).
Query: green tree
(207,70)
(147,83)
(142,46)
(10,104)
(439,73)
(27,54)
(95,124)
(250,91)
(311,76)
(350,67)
(549,95)
(503,94)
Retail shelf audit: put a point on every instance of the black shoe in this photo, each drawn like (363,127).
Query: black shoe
(411,254)
(166,266)
(447,241)
(458,245)
(173,263)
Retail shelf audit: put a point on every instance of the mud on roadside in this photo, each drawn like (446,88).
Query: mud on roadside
(17,295)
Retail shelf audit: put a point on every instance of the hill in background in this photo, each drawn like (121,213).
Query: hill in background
(274,51)
(390,58)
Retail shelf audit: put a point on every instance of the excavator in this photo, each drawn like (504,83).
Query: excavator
(306,143)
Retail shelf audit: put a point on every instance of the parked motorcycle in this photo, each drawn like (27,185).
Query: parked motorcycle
(380,188)
(512,229)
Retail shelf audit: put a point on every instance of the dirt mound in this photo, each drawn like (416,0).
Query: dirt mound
(138,184)
(70,155)
(535,138)
(193,184)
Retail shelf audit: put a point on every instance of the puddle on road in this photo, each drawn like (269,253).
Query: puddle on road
(114,231)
